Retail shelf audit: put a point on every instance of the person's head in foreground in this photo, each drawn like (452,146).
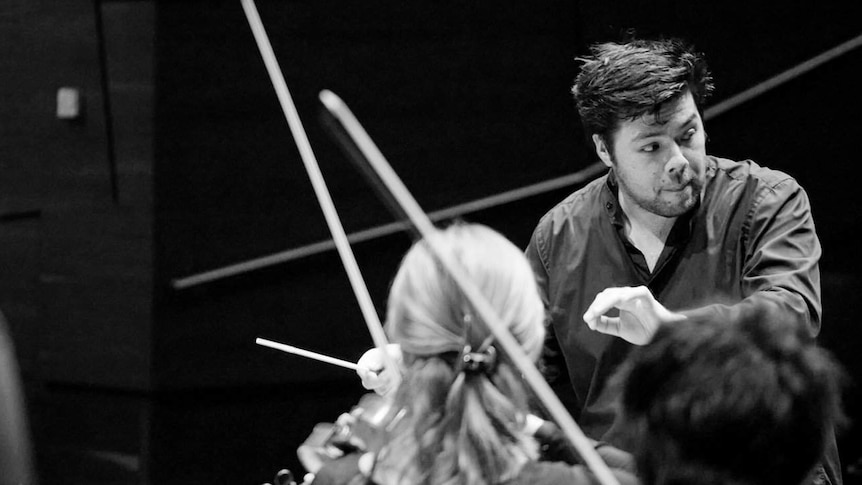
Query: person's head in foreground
(714,402)
(464,401)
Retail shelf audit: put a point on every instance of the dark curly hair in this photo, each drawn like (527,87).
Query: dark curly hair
(749,401)
(624,81)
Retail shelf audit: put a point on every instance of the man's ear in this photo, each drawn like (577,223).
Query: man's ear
(602,150)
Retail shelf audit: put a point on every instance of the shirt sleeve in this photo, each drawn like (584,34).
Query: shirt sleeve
(552,363)
(781,260)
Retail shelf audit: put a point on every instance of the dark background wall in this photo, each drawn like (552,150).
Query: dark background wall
(182,162)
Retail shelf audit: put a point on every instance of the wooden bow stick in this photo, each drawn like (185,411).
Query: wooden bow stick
(369,313)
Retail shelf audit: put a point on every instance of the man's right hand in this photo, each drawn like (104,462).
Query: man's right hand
(640,314)
(374,374)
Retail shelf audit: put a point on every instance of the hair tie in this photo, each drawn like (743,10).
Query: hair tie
(479,362)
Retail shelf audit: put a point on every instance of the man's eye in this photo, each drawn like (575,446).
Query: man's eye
(689,134)
(650,148)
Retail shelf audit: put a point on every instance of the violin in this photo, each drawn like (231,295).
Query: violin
(364,429)
(361,430)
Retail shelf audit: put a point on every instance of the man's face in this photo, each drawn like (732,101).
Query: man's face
(660,167)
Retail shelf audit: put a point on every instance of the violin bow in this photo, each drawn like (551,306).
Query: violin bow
(372,161)
(369,313)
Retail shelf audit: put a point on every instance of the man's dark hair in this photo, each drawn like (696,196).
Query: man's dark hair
(624,81)
(715,402)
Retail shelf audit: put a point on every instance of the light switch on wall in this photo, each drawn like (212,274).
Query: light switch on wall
(68,103)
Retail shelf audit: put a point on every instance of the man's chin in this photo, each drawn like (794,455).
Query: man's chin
(677,206)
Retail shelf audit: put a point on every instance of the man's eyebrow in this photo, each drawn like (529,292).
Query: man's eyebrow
(648,134)
(660,131)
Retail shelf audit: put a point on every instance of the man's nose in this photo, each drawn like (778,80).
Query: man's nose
(676,164)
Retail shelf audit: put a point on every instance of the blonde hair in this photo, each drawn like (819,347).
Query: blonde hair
(459,426)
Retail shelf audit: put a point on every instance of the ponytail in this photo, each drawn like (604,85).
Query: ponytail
(460,427)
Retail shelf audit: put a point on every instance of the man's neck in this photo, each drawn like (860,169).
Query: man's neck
(645,230)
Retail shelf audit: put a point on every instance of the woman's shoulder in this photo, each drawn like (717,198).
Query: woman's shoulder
(556,473)
(341,471)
